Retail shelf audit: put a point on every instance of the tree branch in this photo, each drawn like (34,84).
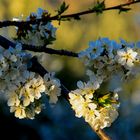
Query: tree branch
(49,50)
(101,134)
(25,24)
(94,11)
(5,42)
(38,68)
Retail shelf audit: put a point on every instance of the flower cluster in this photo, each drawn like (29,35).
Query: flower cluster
(104,57)
(13,66)
(25,99)
(107,57)
(39,33)
(24,89)
(52,85)
(99,110)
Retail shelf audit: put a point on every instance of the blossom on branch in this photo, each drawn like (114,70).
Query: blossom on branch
(126,57)
(99,111)
(24,89)
(39,33)
(111,58)
(53,89)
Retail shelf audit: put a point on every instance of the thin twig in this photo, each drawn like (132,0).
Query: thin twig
(58,17)
(117,7)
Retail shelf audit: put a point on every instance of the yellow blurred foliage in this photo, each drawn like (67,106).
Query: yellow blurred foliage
(74,35)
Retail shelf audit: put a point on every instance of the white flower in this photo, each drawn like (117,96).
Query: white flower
(107,116)
(8,54)
(85,56)
(80,99)
(27,76)
(26,95)
(52,87)
(95,49)
(39,34)
(78,104)
(104,118)
(127,44)
(40,12)
(19,111)
(95,80)
(11,74)
(126,57)
(107,57)
(84,102)
(13,100)
(37,87)
(53,93)
(86,89)
(90,116)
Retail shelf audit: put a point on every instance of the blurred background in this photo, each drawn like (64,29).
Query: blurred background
(59,122)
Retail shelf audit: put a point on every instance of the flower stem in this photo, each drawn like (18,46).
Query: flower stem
(101,134)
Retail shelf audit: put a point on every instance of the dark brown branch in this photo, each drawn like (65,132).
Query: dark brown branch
(38,68)
(58,17)
(19,23)
(35,65)
(118,7)
(6,43)
(49,50)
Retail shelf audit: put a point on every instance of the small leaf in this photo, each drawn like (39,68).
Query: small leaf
(99,7)
(63,7)
(105,98)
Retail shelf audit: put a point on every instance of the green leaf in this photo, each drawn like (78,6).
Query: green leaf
(99,7)
(105,99)
(63,7)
